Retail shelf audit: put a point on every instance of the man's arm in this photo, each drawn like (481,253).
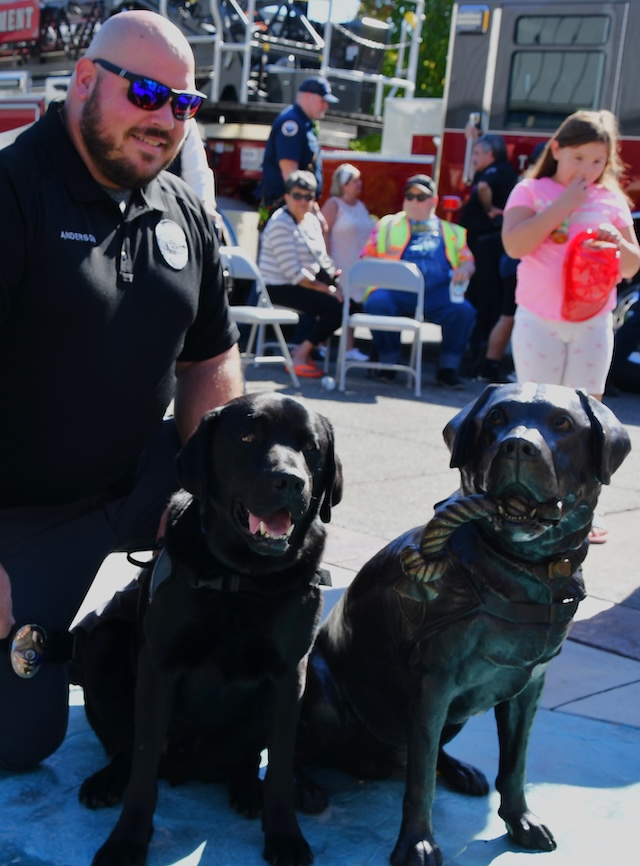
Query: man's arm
(6,608)
(485,197)
(287,167)
(203,385)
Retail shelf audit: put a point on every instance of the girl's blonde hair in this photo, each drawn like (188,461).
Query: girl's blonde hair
(341,177)
(585,127)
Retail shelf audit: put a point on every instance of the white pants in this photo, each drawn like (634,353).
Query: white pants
(575,354)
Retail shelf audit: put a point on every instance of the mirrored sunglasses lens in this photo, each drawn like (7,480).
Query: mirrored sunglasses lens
(186,105)
(299,196)
(148,94)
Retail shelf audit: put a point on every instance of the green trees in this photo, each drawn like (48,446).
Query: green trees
(435,39)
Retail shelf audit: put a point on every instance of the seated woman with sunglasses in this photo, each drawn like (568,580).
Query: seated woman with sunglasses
(440,251)
(294,263)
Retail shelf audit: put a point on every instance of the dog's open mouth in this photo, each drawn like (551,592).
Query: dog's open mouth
(277,525)
(519,510)
(271,530)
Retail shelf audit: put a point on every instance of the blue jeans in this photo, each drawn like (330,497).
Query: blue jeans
(456,321)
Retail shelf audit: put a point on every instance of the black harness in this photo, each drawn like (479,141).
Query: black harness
(166,568)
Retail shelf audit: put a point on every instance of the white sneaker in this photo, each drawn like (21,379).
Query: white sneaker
(356,355)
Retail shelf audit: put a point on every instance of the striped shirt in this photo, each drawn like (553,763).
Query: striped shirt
(290,251)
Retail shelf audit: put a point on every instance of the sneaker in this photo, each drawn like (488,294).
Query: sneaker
(356,355)
(448,378)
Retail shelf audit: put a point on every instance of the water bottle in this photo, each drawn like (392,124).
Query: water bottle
(457,291)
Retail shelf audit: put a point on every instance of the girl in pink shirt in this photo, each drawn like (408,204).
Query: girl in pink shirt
(574,186)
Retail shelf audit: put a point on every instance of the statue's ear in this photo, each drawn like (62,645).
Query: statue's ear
(610,442)
(461,432)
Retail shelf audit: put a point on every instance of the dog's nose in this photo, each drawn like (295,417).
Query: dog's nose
(289,481)
(519,446)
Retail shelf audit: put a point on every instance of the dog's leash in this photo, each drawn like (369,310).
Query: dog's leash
(424,563)
(427,562)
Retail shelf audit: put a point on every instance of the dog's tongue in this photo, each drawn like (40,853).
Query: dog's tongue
(274,524)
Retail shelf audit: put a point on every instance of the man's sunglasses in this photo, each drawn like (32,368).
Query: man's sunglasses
(421,196)
(150,95)
(300,196)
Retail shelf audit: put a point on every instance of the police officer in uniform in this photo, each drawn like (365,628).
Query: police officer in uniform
(293,143)
(112,303)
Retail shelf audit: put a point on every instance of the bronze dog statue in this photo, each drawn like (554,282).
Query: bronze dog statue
(464,614)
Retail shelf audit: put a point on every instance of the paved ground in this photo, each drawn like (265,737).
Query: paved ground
(584,765)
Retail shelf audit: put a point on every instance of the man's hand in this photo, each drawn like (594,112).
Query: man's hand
(6,606)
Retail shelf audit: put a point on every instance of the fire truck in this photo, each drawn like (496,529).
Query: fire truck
(518,68)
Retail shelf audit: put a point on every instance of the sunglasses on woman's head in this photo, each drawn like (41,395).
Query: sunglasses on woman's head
(421,196)
(150,95)
(299,196)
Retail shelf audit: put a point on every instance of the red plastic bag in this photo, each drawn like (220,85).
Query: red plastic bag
(591,271)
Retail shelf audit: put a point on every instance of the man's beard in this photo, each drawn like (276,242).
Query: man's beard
(123,173)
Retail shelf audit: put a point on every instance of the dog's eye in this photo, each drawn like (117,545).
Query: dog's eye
(311,445)
(248,438)
(495,418)
(563,424)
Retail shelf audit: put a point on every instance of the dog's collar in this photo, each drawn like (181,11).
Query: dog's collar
(555,568)
(560,569)
(165,568)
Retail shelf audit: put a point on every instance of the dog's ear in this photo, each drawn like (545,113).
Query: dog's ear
(193,458)
(610,442)
(461,432)
(332,474)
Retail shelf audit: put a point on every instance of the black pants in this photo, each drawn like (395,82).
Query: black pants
(52,556)
(485,287)
(326,309)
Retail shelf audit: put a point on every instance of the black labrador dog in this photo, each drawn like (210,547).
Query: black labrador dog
(463,615)
(214,641)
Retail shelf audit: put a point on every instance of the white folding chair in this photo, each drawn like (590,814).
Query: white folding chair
(389,274)
(240,266)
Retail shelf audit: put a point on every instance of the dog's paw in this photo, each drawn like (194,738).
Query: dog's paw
(310,797)
(462,777)
(106,787)
(286,850)
(245,796)
(529,832)
(120,854)
(410,851)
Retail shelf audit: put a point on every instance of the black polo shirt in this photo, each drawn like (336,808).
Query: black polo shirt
(96,306)
(501,177)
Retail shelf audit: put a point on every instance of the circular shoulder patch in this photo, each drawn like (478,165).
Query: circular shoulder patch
(172,243)
(290,128)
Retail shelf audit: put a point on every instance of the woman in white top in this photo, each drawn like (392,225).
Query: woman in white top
(349,224)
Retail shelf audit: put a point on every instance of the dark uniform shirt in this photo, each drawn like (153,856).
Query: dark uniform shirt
(96,305)
(292,136)
(501,177)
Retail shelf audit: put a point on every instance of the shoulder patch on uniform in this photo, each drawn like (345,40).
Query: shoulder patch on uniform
(290,128)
